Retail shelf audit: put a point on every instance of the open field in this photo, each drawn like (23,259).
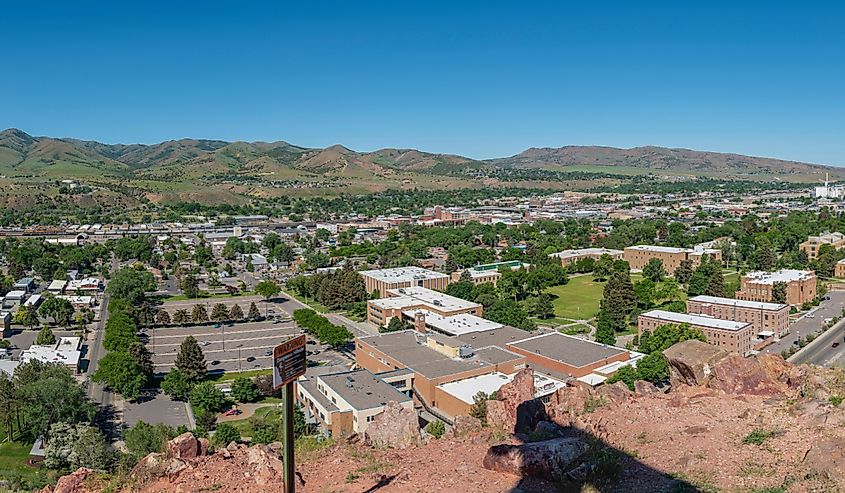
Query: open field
(579,299)
(13,463)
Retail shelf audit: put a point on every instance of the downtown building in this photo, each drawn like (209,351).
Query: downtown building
(729,335)
(766,319)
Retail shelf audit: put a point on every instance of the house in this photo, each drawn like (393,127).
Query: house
(57,286)
(25,284)
(86,285)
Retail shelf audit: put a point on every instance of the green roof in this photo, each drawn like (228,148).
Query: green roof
(495,266)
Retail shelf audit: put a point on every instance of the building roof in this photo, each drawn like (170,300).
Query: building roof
(434,298)
(717,300)
(8,366)
(57,285)
(658,249)
(584,252)
(466,389)
(699,320)
(402,274)
(501,337)
(568,349)
(310,386)
(828,237)
(783,275)
(15,295)
(456,324)
(362,390)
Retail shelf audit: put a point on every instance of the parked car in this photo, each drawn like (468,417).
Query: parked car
(204,343)
(217,326)
(268,352)
(309,341)
(835,344)
(215,362)
(250,359)
(233,412)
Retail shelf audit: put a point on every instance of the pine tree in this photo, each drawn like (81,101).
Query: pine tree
(162,317)
(45,337)
(779,292)
(684,271)
(254,314)
(181,316)
(219,313)
(190,360)
(236,313)
(142,356)
(198,314)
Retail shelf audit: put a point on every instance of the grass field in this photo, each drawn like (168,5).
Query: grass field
(244,426)
(317,307)
(579,299)
(14,467)
(231,375)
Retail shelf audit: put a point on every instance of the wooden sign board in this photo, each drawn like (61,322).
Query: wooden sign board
(289,361)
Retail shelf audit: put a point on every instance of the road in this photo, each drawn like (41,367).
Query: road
(811,322)
(359,329)
(822,352)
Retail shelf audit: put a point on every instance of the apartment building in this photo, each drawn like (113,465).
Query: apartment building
(813,243)
(346,402)
(567,257)
(757,286)
(488,273)
(383,280)
(768,319)
(404,302)
(729,335)
(839,269)
(638,256)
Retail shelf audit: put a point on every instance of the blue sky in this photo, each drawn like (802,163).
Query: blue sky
(482,79)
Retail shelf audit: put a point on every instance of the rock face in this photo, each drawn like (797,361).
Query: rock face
(615,393)
(827,458)
(735,374)
(516,409)
(72,483)
(568,402)
(463,425)
(396,427)
(691,362)
(548,459)
(185,447)
(642,387)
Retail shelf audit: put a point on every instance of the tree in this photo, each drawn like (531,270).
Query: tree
(176,385)
(254,314)
(245,390)
(219,313)
(395,325)
(461,289)
(181,316)
(606,327)
(684,271)
(625,374)
(478,409)
(654,270)
(207,397)
(121,332)
(26,315)
(49,394)
(267,289)
(190,286)
(190,360)
(45,337)
(76,445)
(131,285)
(225,434)
(603,267)
(198,314)
(142,356)
(235,313)
(120,371)
(764,257)
(544,308)
(162,317)
(435,428)
(779,292)
(59,309)
(509,312)
(143,439)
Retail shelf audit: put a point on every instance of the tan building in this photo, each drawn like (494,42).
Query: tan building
(383,280)
(769,319)
(567,257)
(813,243)
(757,286)
(729,335)
(839,269)
(488,273)
(638,256)
(410,300)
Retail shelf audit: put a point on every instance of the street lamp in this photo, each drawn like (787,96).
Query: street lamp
(239,356)
(223,328)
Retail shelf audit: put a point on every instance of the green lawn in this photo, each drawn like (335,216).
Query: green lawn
(244,426)
(579,299)
(317,307)
(205,296)
(13,466)
(224,377)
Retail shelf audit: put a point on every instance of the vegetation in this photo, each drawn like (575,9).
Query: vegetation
(435,428)
(190,360)
(320,327)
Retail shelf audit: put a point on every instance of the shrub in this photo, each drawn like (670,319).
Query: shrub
(757,437)
(208,397)
(436,428)
(225,434)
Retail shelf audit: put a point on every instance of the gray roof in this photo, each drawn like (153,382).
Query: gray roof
(497,337)
(311,387)
(567,349)
(363,390)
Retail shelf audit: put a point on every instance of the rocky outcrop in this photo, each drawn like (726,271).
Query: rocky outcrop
(185,447)
(71,483)
(615,393)
(549,459)
(516,409)
(397,427)
(642,387)
(568,402)
(463,425)
(826,457)
(735,374)
(691,362)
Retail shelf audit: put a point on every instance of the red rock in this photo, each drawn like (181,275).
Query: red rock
(735,374)
(396,427)
(643,387)
(615,393)
(70,483)
(691,362)
(548,459)
(185,447)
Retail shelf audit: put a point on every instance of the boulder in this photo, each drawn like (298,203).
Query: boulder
(548,429)
(549,459)
(826,457)
(568,402)
(735,374)
(643,387)
(463,426)
(615,393)
(185,447)
(70,483)
(156,465)
(203,446)
(264,465)
(516,409)
(396,427)
(691,362)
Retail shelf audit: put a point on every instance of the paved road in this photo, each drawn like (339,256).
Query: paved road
(96,391)
(156,407)
(359,329)
(811,322)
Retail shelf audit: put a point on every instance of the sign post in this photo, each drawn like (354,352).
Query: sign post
(289,363)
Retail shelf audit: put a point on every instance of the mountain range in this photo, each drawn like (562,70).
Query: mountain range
(24,155)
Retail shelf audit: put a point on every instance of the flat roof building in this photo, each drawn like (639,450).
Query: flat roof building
(758,286)
(567,257)
(66,351)
(638,256)
(813,243)
(726,334)
(404,300)
(764,317)
(383,280)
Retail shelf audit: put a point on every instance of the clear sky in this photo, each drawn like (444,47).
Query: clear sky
(482,79)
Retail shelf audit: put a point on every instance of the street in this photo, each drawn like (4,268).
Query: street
(811,322)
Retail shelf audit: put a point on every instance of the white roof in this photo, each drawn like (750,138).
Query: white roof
(656,248)
(81,283)
(77,300)
(717,300)
(434,298)
(66,351)
(699,320)
(592,379)
(16,294)
(57,285)
(585,251)
(455,325)
(8,366)
(402,274)
(33,300)
(466,389)
(783,275)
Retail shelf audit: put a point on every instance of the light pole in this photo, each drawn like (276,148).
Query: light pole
(223,328)
(239,356)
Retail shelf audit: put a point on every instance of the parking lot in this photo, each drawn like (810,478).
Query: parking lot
(155,407)
(229,347)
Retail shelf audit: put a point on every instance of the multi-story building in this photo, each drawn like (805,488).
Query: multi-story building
(383,280)
(405,302)
(765,318)
(813,243)
(839,269)
(346,402)
(726,334)
(488,273)
(567,257)
(757,286)
(639,255)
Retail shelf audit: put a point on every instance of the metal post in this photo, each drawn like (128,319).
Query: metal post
(239,357)
(287,438)
(223,328)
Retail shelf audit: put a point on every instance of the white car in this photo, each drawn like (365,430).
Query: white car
(204,343)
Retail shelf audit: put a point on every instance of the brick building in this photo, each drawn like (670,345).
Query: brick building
(404,302)
(382,280)
(813,243)
(638,256)
(757,286)
(729,335)
(567,257)
(764,317)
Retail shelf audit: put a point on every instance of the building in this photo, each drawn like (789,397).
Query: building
(383,280)
(57,286)
(638,256)
(488,273)
(729,335)
(567,257)
(757,286)
(813,243)
(767,319)
(839,269)
(346,402)
(26,284)
(65,351)
(86,285)
(404,302)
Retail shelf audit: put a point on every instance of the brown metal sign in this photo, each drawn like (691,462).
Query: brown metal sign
(289,361)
